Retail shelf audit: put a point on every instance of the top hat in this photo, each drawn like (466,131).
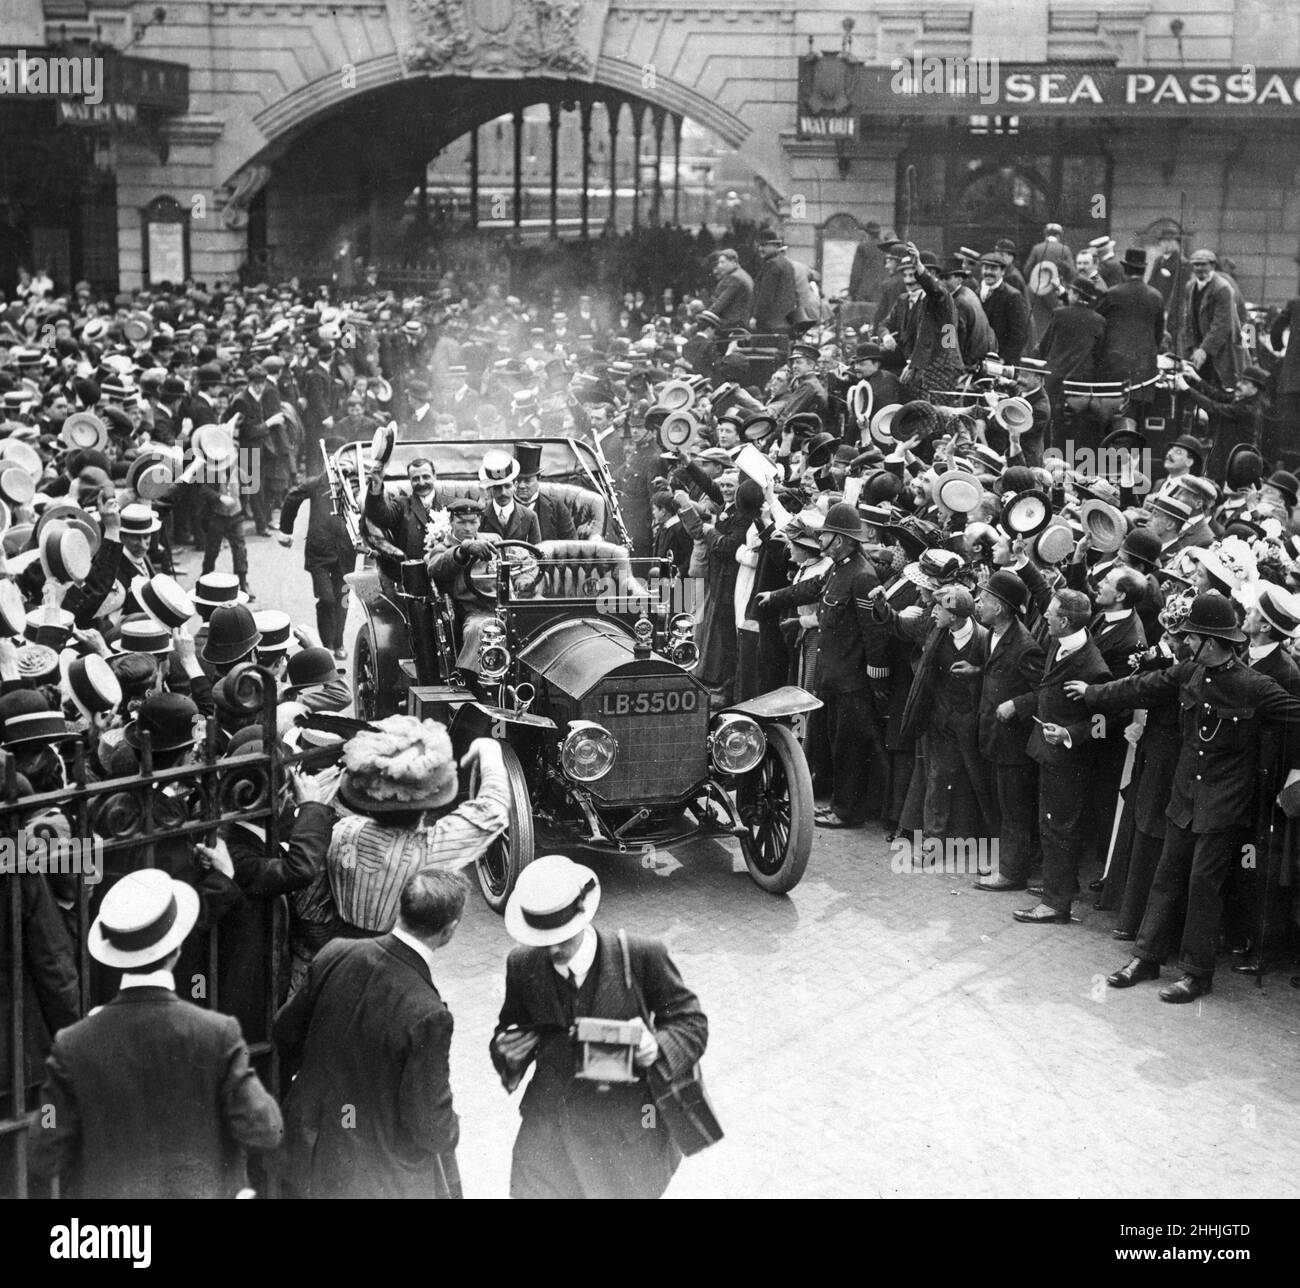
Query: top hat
(498,466)
(143,919)
(553,900)
(529,456)
(1105,525)
(1135,258)
(1006,586)
(1213,615)
(232,634)
(168,719)
(1125,434)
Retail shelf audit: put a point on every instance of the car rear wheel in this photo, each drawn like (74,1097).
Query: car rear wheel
(365,676)
(775,802)
(514,849)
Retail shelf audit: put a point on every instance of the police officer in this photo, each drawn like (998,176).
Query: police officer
(852,667)
(1225,707)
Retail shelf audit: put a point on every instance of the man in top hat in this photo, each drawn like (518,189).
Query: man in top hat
(1227,708)
(1212,330)
(733,295)
(503,516)
(775,302)
(1008,702)
(974,335)
(1109,268)
(579,1138)
(1135,327)
(1235,417)
(1005,307)
(370,1029)
(150,1096)
(554,518)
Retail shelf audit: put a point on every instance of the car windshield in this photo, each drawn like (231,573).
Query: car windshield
(564,460)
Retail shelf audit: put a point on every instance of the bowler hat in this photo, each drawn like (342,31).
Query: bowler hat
(1135,258)
(1142,547)
(1007,587)
(1244,468)
(1087,289)
(1286,483)
(1193,447)
(309,668)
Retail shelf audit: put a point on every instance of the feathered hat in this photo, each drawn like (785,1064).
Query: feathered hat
(404,764)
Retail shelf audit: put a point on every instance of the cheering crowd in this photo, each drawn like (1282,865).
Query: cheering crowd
(1045,626)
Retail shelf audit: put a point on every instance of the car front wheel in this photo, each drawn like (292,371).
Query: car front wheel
(775,803)
(499,867)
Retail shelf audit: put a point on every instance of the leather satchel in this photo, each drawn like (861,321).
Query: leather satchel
(683,1101)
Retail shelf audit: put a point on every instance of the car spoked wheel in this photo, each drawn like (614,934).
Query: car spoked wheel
(775,804)
(365,678)
(515,848)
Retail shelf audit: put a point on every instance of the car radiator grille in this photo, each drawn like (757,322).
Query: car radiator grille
(661,751)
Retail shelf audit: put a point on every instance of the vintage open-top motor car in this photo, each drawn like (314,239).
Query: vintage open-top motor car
(584,673)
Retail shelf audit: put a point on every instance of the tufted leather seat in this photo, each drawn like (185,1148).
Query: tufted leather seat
(573,564)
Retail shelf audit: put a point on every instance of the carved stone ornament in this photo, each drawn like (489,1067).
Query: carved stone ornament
(492,37)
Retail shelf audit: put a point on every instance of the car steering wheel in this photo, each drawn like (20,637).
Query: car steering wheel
(485,583)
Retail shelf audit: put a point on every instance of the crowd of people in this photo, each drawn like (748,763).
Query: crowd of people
(1036,554)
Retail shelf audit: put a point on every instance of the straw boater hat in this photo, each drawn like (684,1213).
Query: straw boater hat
(404,764)
(162,599)
(90,683)
(553,900)
(144,918)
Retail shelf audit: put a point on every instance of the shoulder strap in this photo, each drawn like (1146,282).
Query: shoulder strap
(630,980)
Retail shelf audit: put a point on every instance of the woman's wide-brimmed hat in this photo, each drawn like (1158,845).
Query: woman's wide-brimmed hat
(553,900)
(401,764)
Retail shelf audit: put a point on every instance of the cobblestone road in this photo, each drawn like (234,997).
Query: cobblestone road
(898,1035)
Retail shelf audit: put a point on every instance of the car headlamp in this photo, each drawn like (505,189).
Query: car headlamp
(736,743)
(493,655)
(588,751)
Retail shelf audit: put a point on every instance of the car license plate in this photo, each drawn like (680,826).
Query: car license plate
(659,702)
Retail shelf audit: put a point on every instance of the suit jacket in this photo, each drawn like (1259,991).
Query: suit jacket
(253,429)
(1115,641)
(674,543)
(1288,376)
(1056,707)
(601,1134)
(1012,673)
(554,518)
(776,296)
(152,1098)
(369,1030)
(403,519)
(524,525)
(974,334)
(1008,315)
(1212,324)
(1135,326)
(733,297)
(1072,345)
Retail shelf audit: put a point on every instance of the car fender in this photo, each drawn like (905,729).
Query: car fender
(390,634)
(777,704)
(481,720)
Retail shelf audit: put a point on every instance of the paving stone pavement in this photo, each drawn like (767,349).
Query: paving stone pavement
(898,1035)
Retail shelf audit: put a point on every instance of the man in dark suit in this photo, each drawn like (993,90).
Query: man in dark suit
(734,293)
(370,1114)
(328,554)
(554,518)
(1005,307)
(868,365)
(150,1096)
(1169,277)
(1071,345)
(775,299)
(1061,743)
(258,406)
(1053,250)
(1212,330)
(672,542)
(974,334)
(579,1138)
(403,519)
(1008,701)
(503,515)
(1135,328)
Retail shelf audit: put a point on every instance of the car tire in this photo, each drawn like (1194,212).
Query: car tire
(775,803)
(499,867)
